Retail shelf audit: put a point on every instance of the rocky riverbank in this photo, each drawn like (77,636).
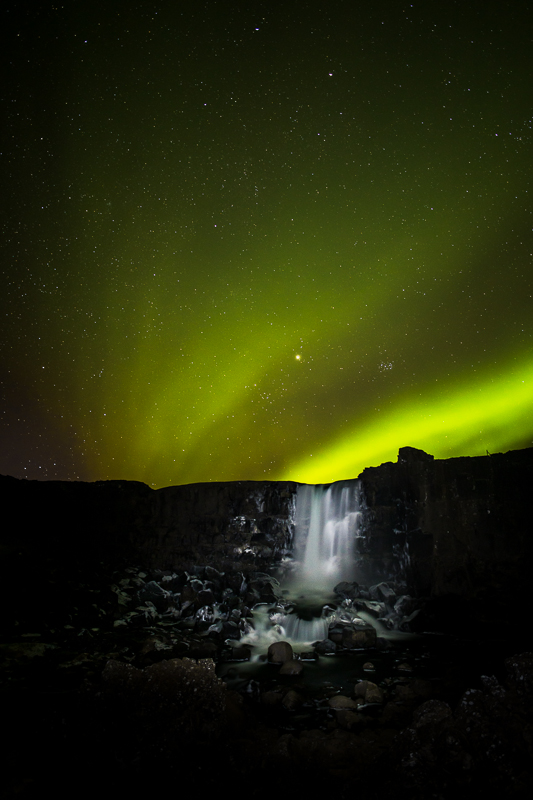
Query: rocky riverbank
(146,679)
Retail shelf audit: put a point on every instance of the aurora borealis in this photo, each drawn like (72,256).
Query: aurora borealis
(263,240)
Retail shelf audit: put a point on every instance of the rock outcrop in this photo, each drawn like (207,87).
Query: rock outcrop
(452,529)
(456,528)
(59,534)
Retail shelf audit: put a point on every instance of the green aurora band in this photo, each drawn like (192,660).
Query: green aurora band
(249,246)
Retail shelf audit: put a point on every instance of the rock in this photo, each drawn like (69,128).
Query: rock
(432,718)
(347,590)
(414,690)
(335,633)
(396,715)
(310,655)
(272,698)
(406,623)
(341,701)
(357,637)
(203,649)
(372,607)
(206,597)
(350,720)
(382,592)
(292,700)
(213,575)
(280,652)
(369,692)
(446,527)
(231,630)
(153,593)
(241,653)
(292,667)
(404,605)
(326,647)
(173,698)
(404,666)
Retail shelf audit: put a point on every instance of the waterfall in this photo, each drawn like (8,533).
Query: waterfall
(326,524)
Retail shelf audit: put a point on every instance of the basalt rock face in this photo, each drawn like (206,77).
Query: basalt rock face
(57,533)
(245,524)
(454,528)
(108,522)
(458,527)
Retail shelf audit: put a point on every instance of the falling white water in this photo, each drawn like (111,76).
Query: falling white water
(326,525)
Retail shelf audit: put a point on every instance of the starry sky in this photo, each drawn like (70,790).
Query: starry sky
(263,240)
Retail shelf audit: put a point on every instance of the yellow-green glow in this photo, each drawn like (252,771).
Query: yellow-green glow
(275,245)
(475,420)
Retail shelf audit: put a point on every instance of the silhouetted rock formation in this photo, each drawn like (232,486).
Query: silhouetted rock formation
(458,528)
(455,528)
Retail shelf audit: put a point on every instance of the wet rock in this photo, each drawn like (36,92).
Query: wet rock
(308,656)
(347,590)
(383,593)
(404,666)
(272,698)
(396,715)
(356,637)
(373,607)
(407,623)
(241,653)
(432,718)
(326,647)
(335,633)
(292,700)
(369,692)
(206,597)
(153,593)
(350,720)
(231,630)
(214,575)
(203,649)
(413,691)
(292,667)
(341,701)
(404,605)
(280,652)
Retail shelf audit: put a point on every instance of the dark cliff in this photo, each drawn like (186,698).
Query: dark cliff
(456,527)
(58,533)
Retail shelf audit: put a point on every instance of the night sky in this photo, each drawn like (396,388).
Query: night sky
(263,240)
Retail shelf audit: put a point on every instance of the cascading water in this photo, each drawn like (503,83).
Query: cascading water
(326,521)
(326,525)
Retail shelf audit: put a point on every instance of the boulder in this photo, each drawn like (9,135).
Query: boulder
(280,652)
(291,667)
(341,701)
(369,692)
(358,636)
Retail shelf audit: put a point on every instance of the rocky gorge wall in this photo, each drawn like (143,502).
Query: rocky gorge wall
(452,528)
(60,534)
(457,527)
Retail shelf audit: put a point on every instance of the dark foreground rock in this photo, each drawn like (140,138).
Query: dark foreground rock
(176,721)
